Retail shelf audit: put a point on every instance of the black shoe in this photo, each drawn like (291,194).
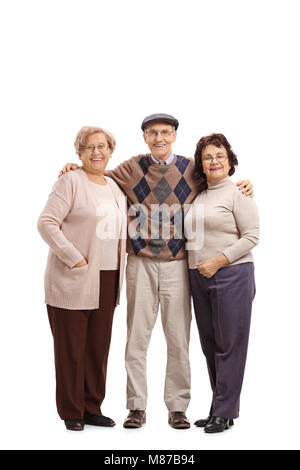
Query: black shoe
(98,420)
(74,424)
(201,423)
(217,424)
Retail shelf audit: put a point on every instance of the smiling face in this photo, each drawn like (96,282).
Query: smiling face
(215,163)
(96,154)
(159,137)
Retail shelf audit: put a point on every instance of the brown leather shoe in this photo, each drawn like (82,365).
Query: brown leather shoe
(178,420)
(135,419)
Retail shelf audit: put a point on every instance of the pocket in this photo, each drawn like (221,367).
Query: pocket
(80,268)
(74,279)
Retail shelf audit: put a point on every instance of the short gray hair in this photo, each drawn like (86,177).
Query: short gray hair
(85,133)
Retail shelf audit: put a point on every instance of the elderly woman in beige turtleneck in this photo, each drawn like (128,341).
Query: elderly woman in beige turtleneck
(221,228)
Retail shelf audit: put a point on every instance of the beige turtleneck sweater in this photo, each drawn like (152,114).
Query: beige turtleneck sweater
(221,220)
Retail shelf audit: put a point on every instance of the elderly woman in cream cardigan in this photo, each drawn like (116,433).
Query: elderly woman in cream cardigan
(84,224)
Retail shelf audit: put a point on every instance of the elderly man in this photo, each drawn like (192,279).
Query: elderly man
(158,186)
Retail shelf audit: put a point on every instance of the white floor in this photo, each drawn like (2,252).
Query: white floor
(267,420)
(249,433)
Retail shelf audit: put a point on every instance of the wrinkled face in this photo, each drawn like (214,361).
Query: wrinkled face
(96,154)
(215,163)
(159,137)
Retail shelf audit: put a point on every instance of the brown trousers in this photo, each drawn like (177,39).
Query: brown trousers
(81,347)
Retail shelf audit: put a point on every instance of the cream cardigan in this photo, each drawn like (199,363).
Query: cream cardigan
(68,225)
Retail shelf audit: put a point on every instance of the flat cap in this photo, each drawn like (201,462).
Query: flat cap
(159,117)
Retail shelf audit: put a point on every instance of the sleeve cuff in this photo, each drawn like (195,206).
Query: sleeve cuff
(229,255)
(70,255)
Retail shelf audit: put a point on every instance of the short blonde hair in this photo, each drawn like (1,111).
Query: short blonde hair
(85,133)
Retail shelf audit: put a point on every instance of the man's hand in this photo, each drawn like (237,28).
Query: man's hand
(210,266)
(68,167)
(246,187)
(80,264)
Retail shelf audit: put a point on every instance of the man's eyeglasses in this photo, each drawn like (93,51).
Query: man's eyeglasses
(164,133)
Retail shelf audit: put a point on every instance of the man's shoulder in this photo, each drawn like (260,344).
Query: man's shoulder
(189,160)
(141,162)
(137,158)
(133,161)
(184,163)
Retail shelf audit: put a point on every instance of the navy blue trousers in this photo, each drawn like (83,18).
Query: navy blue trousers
(222,307)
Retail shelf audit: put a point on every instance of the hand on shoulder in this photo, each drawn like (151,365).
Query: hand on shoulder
(246,187)
(67,168)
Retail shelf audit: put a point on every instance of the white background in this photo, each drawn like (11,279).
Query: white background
(218,66)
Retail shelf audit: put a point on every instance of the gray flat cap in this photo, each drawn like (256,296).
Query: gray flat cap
(159,117)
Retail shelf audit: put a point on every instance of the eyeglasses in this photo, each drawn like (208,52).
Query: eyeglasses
(92,148)
(164,133)
(209,159)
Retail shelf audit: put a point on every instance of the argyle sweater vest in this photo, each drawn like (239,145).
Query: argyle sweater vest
(157,196)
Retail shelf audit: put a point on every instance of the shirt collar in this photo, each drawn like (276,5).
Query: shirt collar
(166,162)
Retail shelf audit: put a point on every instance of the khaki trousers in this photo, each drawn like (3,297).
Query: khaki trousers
(150,283)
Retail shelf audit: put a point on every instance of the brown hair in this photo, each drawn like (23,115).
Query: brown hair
(213,139)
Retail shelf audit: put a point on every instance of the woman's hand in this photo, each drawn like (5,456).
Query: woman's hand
(81,263)
(68,167)
(246,187)
(210,266)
